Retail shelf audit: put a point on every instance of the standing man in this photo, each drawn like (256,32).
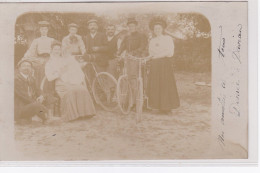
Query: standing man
(73,44)
(112,49)
(96,47)
(39,52)
(135,44)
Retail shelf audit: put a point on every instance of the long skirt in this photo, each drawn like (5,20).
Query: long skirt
(161,90)
(75,101)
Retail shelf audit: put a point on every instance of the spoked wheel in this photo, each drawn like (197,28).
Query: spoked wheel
(139,100)
(124,95)
(104,91)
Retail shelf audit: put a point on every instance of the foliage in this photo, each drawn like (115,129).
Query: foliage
(190,31)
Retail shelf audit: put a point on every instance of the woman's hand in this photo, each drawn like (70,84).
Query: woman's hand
(40,99)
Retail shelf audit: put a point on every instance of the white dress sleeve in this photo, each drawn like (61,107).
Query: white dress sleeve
(169,46)
(51,71)
(82,46)
(152,48)
(32,51)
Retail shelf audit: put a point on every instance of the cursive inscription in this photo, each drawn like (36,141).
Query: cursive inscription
(222,103)
(237,49)
(221,139)
(230,90)
(235,103)
(234,107)
(222,42)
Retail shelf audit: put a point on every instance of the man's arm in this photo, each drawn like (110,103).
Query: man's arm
(122,47)
(103,47)
(142,50)
(21,92)
(82,46)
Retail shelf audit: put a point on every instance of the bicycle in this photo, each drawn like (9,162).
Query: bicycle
(124,91)
(99,87)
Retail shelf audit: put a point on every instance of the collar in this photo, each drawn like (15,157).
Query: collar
(72,35)
(93,35)
(109,38)
(24,75)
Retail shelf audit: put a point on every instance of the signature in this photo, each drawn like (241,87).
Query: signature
(222,42)
(222,102)
(221,139)
(234,107)
(237,49)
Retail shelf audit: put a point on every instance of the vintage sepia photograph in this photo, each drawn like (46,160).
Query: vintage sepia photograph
(119,84)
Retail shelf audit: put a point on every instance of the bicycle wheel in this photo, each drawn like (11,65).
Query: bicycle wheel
(104,91)
(124,94)
(139,100)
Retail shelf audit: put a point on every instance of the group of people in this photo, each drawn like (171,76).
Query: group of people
(56,62)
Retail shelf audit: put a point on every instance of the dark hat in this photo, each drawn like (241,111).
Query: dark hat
(92,21)
(55,43)
(73,25)
(22,61)
(131,20)
(157,21)
(43,23)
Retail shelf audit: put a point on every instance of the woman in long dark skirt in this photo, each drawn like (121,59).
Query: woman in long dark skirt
(162,91)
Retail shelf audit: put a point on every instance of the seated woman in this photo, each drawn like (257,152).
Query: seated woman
(162,90)
(69,84)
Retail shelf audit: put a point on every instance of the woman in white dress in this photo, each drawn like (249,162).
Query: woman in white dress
(162,90)
(69,84)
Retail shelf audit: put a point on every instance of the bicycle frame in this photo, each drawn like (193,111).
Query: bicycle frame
(139,77)
(86,75)
(100,81)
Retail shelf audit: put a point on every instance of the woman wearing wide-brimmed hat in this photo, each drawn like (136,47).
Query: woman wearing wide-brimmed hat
(162,90)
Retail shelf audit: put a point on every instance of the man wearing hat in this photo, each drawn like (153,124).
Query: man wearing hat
(134,43)
(96,46)
(39,51)
(27,99)
(112,48)
(73,44)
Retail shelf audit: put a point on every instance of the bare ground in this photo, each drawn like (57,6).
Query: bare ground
(185,134)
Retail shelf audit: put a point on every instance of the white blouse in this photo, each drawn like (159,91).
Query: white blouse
(161,46)
(39,45)
(66,69)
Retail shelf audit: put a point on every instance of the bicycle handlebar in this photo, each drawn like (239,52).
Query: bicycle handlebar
(128,56)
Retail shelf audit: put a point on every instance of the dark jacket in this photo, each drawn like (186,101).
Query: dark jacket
(112,47)
(98,41)
(135,44)
(22,88)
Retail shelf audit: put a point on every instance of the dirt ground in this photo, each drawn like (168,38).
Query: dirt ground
(185,134)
